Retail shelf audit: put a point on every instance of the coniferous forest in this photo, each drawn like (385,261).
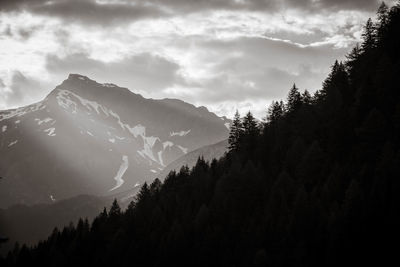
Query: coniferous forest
(316,184)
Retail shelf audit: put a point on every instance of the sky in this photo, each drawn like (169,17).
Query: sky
(222,54)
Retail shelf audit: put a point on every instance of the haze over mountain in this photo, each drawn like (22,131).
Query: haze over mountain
(92,138)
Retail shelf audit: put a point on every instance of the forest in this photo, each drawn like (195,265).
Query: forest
(315,184)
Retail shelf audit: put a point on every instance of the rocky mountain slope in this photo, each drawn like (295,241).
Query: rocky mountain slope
(98,139)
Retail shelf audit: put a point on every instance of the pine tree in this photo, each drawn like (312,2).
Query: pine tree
(155,186)
(383,16)
(354,54)
(306,98)
(235,132)
(115,210)
(352,59)
(143,194)
(275,111)
(369,36)
(293,99)
(250,127)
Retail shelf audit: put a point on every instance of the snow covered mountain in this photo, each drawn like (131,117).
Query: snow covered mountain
(92,138)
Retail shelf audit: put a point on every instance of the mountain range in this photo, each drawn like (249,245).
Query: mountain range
(97,139)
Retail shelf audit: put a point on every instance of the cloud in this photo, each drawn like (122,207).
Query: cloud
(86,11)
(18,32)
(137,72)
(345,4)
(239,71)
(216,53)
(267,62)
(109,12)
(20,90)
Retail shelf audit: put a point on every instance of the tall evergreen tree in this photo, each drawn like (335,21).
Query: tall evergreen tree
(115,210)
(383,17)
(306,98)
(293,99)
(235,133)
(369,36)
(250,126)
(275,111)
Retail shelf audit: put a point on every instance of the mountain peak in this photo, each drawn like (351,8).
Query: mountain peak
(73,76)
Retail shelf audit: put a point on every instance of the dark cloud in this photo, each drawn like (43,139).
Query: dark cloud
(138,72)
(19,32)
(85,11)
(269,5)
(348,4)
(108,13)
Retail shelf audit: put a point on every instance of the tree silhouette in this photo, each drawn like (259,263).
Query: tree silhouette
(293,99)
(235,133)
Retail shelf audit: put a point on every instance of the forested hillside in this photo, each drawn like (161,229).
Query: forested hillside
(317,184)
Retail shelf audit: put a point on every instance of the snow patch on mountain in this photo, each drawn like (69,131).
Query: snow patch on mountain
(109,85)
(4,128)
(46,120)
(160,158)
(227,125)
(181,133)
(167,144)
(147,152)
(184,149)
(50,131)
(65,101)
(17,121)
(137,130)
(115,115)
(122,169)
(153,171)
(12,143)
(18,112)
(71,101)
(151,140)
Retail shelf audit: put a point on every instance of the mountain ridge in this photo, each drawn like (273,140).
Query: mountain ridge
(92,125)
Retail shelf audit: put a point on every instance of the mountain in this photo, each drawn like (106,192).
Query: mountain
(97,139)
(208,153)
(316,185)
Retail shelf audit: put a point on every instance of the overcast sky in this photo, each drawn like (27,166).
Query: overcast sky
(223,54)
